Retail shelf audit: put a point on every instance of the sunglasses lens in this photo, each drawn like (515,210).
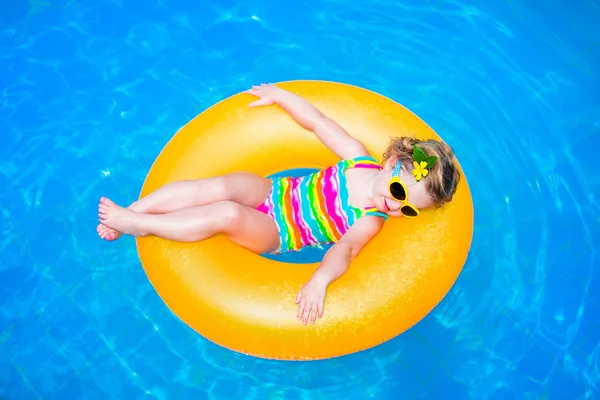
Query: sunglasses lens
(409,211)
(397,191)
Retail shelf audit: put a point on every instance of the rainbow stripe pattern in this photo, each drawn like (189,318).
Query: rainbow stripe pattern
(315,209)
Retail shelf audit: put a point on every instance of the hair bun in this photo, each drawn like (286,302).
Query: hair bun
(406,144)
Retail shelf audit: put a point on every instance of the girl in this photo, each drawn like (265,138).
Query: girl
(345,204)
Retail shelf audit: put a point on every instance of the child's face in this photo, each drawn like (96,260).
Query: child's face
(383,200)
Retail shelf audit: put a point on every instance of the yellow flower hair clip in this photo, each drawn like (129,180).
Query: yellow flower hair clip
(422,163)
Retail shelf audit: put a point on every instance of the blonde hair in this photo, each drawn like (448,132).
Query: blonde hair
(443,177)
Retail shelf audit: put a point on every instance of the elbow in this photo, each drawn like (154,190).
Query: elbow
(321,122)
(345,250)
(354,251)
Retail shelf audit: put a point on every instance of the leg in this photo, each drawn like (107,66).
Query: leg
(241,187)
(245,226)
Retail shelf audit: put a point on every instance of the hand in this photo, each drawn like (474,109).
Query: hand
(310,301)
(266,93)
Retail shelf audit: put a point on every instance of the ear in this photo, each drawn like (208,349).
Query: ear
(391,162)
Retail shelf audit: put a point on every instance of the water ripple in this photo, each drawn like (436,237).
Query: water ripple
(90,92)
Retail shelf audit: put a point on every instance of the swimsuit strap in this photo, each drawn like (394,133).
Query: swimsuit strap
(375,212)
(363,162)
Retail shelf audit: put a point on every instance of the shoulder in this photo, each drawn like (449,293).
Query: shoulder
(357,150)
(364,161)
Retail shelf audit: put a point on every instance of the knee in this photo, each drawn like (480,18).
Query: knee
(230,215)
(219,186)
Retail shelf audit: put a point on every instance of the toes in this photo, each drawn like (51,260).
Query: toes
(107,233)
(113,235)
(106,201)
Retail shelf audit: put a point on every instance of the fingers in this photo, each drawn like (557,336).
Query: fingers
(314,311)
(320,309)
(263,96)
(311,311)
(307,311)
(256,88)
(261,102)
(301,309)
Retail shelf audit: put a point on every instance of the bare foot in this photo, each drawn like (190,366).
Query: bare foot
(118,218)
(107,233)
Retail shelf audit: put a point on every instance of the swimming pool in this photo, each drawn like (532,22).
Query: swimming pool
(91,92)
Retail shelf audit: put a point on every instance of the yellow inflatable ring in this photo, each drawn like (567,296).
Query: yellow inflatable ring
(245,302)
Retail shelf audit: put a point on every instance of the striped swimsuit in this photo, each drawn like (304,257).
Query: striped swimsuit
(315,209)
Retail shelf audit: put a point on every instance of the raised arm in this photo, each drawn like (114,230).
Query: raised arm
(311,297)
(306,115)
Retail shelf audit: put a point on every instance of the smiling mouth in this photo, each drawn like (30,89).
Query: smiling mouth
(385,206)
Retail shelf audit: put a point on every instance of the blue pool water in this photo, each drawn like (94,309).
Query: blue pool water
(92,90)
